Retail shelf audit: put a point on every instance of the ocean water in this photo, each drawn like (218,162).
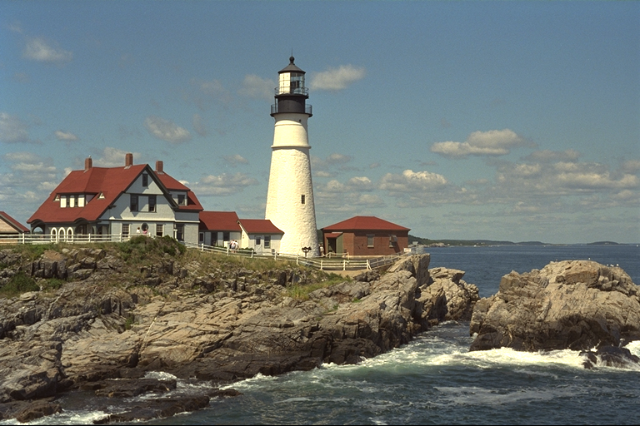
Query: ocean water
(435,379)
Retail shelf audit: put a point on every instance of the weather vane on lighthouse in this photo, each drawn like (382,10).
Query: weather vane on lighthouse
(290,204)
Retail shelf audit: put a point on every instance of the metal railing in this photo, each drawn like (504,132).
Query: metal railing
(335,263)
(275,109)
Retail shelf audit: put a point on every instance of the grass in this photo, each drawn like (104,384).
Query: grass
(141,248)
(19,283)
(301,291)
(53,284)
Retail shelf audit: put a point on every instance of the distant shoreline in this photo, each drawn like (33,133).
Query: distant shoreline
(493,243)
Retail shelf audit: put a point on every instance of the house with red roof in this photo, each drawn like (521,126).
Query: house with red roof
(119,202)
(10,228)
(219,228)
(365,236)
(260,235)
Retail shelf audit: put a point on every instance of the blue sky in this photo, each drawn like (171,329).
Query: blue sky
(493,120)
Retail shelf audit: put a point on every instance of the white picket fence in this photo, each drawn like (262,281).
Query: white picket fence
(334,263)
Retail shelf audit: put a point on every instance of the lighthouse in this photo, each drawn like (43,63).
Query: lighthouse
(290,204)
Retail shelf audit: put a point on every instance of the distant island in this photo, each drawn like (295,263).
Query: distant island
(435,243)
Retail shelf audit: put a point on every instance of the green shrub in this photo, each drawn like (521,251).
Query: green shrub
(53,284)
(19,283)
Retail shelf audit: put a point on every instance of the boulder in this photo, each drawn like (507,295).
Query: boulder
(574,305)
(609,356)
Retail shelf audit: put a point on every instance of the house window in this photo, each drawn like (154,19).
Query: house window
(393,239)
(258,241)
(72,200)
(145,180)
(125,231)
(159,230)
(181,200)
(370,240)
(214,238)
(267,241)
(152,203)
(302,200)
(63,201)
(180,232)
(134,203)
(201,238)
(225,236)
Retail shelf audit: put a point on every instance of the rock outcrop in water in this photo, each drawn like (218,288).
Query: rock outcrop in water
(575,305)
(219,325)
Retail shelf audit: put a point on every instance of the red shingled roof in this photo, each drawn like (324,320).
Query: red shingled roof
(219,221)
(174,185)
(361,223)
(111,182)
(12,222)
(259,226)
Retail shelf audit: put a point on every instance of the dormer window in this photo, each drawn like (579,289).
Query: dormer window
(57,198)
(63,201)
(101,196)
(182,200)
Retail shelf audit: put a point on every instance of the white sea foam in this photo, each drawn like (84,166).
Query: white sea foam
(159,375)
(481,396)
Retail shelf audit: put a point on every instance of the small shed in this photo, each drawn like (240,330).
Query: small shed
(365,236)
(10,228)
(260,235)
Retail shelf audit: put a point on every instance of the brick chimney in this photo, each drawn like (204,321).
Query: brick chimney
(159,167)
(128,160)
(88,163)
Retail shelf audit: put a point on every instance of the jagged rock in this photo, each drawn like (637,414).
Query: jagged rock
(131,387)
(37,409)
(447,297)
(609,356)
(571,304)
(158,408)
(227,324)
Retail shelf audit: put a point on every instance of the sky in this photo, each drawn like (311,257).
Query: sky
(511,121)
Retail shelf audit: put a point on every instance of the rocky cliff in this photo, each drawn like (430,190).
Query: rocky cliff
(102,314)
(577,305)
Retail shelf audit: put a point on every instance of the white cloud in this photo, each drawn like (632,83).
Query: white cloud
(492,142)
(199,125)
(410,181)
(113,157)
(236,159)
(65,136)
(15,27)
(338,158)
(547,156)
(41,50)
(335,79)
(593,180)
(631,166)
(166,130)
(257,87)
(224,184)
(13,130)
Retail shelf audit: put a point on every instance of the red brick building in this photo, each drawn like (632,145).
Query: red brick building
(365,236)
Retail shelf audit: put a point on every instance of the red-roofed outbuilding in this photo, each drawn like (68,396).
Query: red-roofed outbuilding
(260,235)
(9,227)
(365,236)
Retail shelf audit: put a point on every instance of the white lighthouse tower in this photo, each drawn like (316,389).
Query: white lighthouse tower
(290,204)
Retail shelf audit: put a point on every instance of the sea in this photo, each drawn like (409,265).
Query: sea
(434,379)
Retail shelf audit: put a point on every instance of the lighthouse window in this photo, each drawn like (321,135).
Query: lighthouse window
(302,200)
